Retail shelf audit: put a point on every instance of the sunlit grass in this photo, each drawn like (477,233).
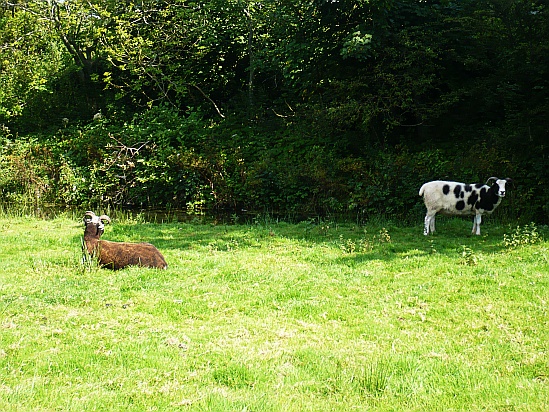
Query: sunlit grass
(272,316)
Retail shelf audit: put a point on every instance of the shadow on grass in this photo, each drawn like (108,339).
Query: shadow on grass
(356,243)
(452,238)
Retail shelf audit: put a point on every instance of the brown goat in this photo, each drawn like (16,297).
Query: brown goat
(117,255)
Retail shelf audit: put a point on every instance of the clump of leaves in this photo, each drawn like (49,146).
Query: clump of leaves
(347,245)
(468,256)
(325,227)
(522,235)
(384,236)
(318,224)
(223,246)
(364,244)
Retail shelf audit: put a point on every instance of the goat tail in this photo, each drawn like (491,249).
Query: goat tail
(422,189)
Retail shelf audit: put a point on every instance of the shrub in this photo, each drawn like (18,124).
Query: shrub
(522,235)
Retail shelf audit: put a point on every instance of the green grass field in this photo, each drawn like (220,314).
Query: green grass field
(271,316)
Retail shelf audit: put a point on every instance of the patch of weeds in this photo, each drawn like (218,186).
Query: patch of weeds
(234,375)
(522,235)
(265,219)
(363,245)
(232,245)
(432,247)
(223,246)
(89,261)
(351,246)
(468,256)
(384,236)
(309,226)
(347,245)
(373,379)
(323,227)
(541,256)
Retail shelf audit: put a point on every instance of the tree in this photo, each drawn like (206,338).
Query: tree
(23,76)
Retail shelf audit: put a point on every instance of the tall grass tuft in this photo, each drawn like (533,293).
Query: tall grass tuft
(373,379)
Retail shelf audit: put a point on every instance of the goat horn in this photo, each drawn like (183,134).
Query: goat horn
(492,178)
(88,216)
(105,217)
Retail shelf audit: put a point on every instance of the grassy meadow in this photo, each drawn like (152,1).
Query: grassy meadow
(272,316)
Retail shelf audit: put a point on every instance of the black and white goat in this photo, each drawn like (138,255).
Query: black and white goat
(453,198)
(117,255)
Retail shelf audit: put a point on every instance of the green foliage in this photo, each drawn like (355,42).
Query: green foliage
(29,59)
(31,172)
(304,108)
(365,244)
(522,235)
(468,256)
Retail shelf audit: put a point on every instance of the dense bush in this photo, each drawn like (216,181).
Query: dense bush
(303,108)
(160,158)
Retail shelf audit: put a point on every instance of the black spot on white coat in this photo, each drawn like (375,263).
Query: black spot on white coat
(446,189)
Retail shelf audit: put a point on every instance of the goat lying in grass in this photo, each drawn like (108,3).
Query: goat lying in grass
(117,255)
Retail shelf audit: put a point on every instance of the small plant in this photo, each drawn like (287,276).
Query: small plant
(384,236)
(223,246)
(347,245)
(522,235)
(365,245)
(468,256)
(232,244)
(264,220)
(309,226)
(350,246)
(195,207)
(324,228)
(432,247)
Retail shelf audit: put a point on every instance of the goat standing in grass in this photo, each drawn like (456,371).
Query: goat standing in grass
(453,198)
(117,255)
